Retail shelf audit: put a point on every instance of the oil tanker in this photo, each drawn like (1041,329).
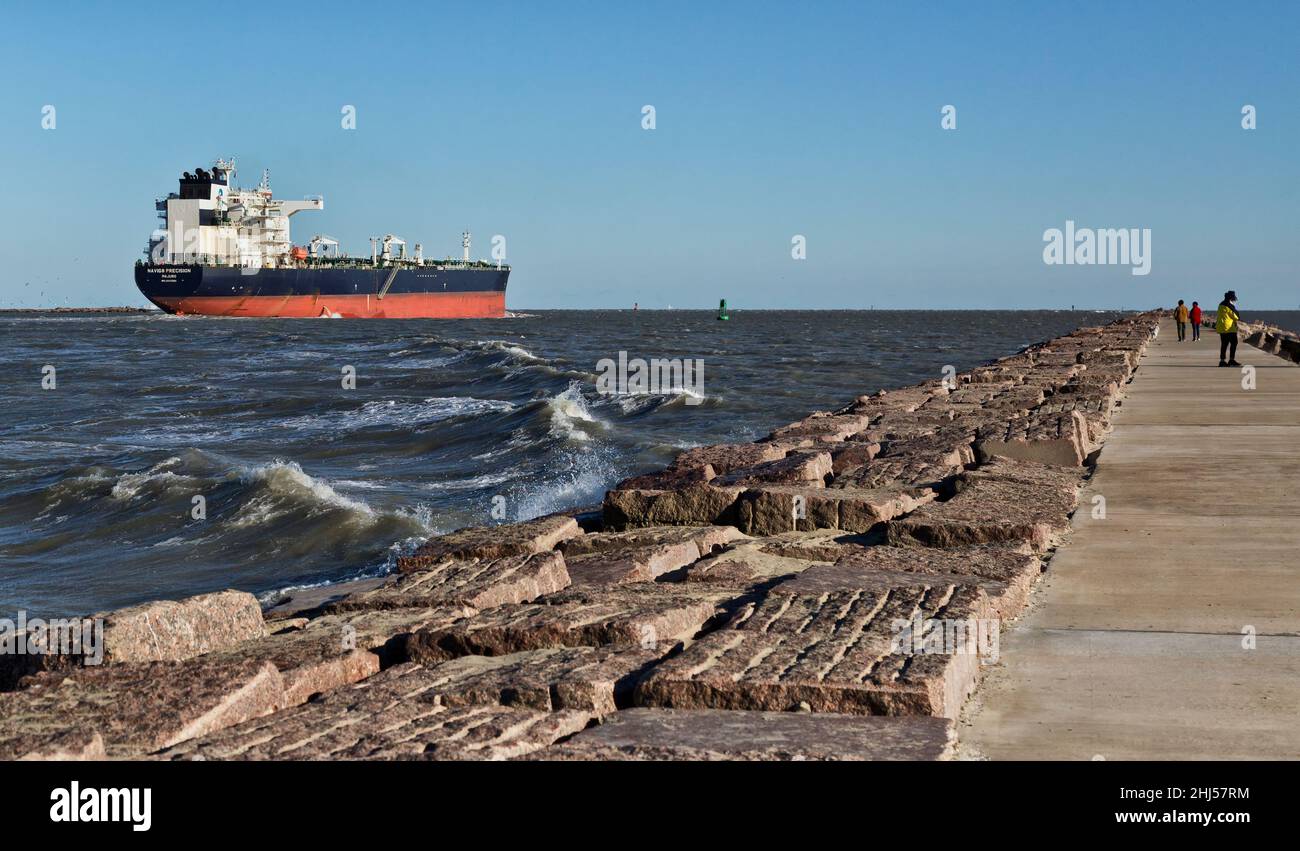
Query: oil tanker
(225,251)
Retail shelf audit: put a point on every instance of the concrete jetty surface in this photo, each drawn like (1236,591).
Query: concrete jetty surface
(837,590)
(1169,628)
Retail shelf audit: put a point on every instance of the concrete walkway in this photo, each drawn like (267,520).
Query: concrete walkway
(1134,646)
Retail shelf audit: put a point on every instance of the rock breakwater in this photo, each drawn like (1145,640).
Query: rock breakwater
(744,603)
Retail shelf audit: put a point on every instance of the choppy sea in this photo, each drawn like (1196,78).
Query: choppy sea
(305,478)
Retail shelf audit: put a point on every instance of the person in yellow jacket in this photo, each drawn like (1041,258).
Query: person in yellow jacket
(1226,324)
(1180,316)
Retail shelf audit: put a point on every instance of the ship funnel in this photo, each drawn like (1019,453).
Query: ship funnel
(374,250)
(464,242)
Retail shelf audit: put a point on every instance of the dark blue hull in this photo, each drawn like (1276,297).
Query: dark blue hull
(416,292)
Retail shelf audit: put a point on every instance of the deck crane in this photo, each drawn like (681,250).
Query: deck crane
(389,241)
(321,245)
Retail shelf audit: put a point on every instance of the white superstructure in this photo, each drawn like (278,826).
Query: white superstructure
(209,221)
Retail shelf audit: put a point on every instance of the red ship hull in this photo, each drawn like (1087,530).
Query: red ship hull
(468,305)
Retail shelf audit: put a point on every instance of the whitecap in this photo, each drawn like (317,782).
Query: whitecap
(570,415)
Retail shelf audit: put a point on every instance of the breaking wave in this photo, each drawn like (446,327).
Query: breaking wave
(570,417)
(391,412)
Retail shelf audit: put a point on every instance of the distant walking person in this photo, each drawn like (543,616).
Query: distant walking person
(1226,324)
(1180,316)
(1196,321)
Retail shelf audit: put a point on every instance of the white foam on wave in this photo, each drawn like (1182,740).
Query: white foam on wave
(570,417)
(95,483)
(685,392)
(633,403)
(392,412)
(288,488)
(474,483)
(508,348)
(433,409)
(129,485)
(588,474)
(360,484)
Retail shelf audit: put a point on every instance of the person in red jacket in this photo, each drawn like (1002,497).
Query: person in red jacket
(1196,321)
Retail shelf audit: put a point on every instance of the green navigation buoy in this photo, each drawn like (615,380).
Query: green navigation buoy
(722,311)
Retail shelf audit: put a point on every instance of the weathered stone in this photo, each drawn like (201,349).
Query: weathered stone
(1123,361)
(72,745)
(618,616)
(302,604)
(920,463)
(1054,358)
(808,468)
(903,398)
(169,631)
(1095,407)
(936,413)
(696,505)
(630,564)
(1007,576)
(1060,439)
(669,479)
(853,453)
(1052,377)
(492,542)
(965,395)
(861,509)
(724,458)
(1015,400)
(1006,502)
(595,679)
(992,374)
(712,735)
(481,584)
(835,651)
(773,509)
(1289,348)
(746,564)
(826,545)
(706,539)
(134,708)
(397,714)
(1102,373)
(824,427)
(777,509)
(826,580)
(1267,341)
(157,631)
(336,650)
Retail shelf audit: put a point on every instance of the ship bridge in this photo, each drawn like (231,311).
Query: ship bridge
(209,221)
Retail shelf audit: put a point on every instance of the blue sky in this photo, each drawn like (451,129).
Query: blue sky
(819,119)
